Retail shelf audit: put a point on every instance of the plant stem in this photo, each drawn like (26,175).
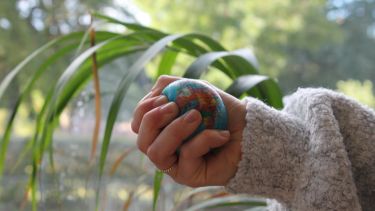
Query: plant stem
(95,136)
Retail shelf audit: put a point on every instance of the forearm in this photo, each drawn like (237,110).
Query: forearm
(274,147)
(355,124)
(298,156)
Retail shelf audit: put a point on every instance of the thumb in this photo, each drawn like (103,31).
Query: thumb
(202,143)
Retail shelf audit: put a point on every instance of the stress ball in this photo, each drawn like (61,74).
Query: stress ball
(193,94)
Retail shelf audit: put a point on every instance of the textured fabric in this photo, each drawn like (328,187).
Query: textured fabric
(318,153)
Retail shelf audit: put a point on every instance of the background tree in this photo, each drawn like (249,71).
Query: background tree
(308,43)
(27,25)
(302,43)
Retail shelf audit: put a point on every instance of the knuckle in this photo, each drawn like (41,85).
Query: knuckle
(153,155)
(163,78)
(141,147)
(207,135)
(134,127)
(141,102)
(178,130)
(185,152)
(150,119)
(138,115)
(175,133)
(141,110)
(144,104)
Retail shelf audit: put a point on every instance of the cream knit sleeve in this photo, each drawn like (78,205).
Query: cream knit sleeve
(318,153)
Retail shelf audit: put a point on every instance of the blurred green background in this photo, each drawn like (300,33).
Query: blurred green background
(299,43)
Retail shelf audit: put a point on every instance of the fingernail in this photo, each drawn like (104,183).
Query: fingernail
(224,133)
(160,101)
(167,108)
(191,116)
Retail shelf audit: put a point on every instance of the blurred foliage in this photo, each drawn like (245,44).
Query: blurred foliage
(142,43)
(363,92)
(302,43)
(27,24)
(3,117)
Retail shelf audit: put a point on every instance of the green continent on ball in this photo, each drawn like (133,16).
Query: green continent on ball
(193,94)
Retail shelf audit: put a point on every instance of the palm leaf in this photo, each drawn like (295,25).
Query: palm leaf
(46,119)
(239,65)
(35,77)
(229,201)
(130,75)
(29,86)
(241,57)
(247,83)
(166,63)
(73,37)
(158,179)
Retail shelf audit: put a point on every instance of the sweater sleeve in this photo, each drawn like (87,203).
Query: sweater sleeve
(318,153)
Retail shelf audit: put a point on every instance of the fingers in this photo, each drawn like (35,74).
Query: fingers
(162,82)
(160,135)
(203,143)
(153,122)
(162,151)
(194,170)
(144,107)
(151,100)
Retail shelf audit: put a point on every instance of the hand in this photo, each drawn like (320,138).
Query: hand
(160,134)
